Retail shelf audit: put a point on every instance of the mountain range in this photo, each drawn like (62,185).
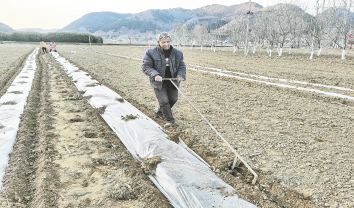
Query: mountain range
(109,24)
(93,22)
(8,29)
(38,30)
(147,23)
(5,28)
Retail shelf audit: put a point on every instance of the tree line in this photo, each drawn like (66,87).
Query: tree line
(281,25)
(48,37)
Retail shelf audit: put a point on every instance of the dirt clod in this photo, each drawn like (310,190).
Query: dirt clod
(93,85)
(88,97)
(101,110)
(9,103)
(121,192)
(174,136)
(16,92)
(121,100)
(149,165)
(74,96)
(90,134)
(74,120)
(129,117)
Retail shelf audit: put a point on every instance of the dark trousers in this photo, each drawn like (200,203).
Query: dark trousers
(44,49)
(167,97)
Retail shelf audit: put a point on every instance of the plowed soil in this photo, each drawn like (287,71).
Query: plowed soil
(66,156)
(11,62)
(299,143)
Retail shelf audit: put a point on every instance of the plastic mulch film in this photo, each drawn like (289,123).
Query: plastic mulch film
(182,176)
(221,72)
(333,94)
(12,104)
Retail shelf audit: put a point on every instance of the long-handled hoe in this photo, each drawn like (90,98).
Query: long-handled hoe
(232,149)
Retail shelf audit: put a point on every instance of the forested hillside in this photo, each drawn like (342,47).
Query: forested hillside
(56,36)
(5,28)
(151,21)
(94,21)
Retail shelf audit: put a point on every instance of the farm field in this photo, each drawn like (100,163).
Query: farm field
(66,156)
(298,141)
(12,57)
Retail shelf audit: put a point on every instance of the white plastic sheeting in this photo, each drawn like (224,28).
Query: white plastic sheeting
(277,84)
(183,177)
(250,75)
(275,79)
(220,72)
(12,104)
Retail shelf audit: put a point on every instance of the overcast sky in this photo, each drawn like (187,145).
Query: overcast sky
(56,14)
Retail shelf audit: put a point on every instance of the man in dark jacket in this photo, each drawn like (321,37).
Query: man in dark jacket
(160,62)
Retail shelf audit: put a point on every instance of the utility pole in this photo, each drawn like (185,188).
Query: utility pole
(88,30)
(248,26)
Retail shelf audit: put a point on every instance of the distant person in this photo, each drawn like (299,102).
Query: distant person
(53,47)
(160,62)
(44,47)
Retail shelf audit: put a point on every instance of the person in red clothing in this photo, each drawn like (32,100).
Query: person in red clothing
(53,47)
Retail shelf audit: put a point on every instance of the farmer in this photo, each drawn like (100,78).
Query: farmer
(53,46)
(164,61)
(44,47)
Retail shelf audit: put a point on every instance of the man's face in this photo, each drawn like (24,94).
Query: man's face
(165,43)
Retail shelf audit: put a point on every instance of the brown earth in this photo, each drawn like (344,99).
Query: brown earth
(13,58)
(299,143)
(66,156)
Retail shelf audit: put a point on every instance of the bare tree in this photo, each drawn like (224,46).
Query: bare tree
(180,34)
(297,24)
(237,31)
(344,23)
(271,30)
(321,27)
(260,27)
(215,36)
(192,38)
(289,21)
(200,33)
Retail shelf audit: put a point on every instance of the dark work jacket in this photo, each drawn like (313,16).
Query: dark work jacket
(154,64)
